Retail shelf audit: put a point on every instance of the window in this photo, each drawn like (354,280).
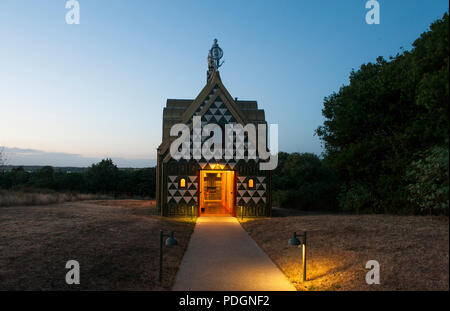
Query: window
(182,183)
(251,183)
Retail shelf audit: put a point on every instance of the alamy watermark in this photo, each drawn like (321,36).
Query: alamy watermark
(73,15)
(373,276)
(241,142)
(73,275)
(373,15)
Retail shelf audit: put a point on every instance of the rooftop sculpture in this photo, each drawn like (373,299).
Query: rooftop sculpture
(214,56)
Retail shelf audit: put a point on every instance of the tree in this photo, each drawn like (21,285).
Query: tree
(73,181)
(102,177)
(44,178)
(2,159)
(302,181)
(17,177)
(391,110)
(429,180)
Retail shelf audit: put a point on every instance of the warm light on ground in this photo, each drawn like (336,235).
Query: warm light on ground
(412,251)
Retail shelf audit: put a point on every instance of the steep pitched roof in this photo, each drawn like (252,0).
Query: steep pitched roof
(182,110)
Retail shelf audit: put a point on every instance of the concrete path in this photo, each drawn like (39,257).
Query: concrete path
(222,256)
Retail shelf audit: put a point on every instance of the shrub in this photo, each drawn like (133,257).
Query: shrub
(302,181)
(428,179)
(356,197)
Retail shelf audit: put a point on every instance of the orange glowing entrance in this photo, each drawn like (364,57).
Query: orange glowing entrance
(216,192)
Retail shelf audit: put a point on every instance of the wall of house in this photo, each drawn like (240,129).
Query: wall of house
(253,200)
(177,201)
(213,106)
(182,200)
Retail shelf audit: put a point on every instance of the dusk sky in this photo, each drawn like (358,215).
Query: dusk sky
(73,94)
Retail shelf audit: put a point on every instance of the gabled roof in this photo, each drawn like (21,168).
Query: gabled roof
(182,110)
(176,107)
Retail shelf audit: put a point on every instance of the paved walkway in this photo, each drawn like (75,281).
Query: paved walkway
(222,256)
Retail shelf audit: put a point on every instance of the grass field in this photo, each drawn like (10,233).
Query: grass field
(115,242)
(43,197)
(412,251)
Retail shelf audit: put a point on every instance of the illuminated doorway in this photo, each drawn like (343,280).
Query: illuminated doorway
(216,192)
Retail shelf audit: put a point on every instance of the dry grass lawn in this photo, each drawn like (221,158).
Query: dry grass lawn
(115,242)
(412,251)
(18,198)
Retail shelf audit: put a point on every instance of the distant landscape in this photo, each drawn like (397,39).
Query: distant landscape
(34,185)
(34,168)
(66,169)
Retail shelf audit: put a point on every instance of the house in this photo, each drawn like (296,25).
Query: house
(229,183)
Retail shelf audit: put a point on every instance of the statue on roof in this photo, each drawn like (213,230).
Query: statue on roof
(214,56)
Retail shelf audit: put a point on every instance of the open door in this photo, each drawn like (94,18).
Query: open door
(216,192)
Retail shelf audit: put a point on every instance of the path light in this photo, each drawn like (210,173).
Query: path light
(294,241)
(193,211)
(171,241)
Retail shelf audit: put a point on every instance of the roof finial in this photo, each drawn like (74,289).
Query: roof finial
(214,56)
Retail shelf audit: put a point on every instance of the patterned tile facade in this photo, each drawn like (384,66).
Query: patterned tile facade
(255,195)
(213,110)
(217,113)
(187,194)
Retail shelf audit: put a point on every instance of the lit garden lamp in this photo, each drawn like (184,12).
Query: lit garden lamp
(171,241)
(294,241)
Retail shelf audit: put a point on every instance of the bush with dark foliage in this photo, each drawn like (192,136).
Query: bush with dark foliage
(383,122)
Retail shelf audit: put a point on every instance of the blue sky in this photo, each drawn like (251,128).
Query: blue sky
(72,94)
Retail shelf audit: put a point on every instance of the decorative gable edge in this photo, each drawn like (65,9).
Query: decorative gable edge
(222,92)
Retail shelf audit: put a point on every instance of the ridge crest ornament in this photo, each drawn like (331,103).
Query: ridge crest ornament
(214,56)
